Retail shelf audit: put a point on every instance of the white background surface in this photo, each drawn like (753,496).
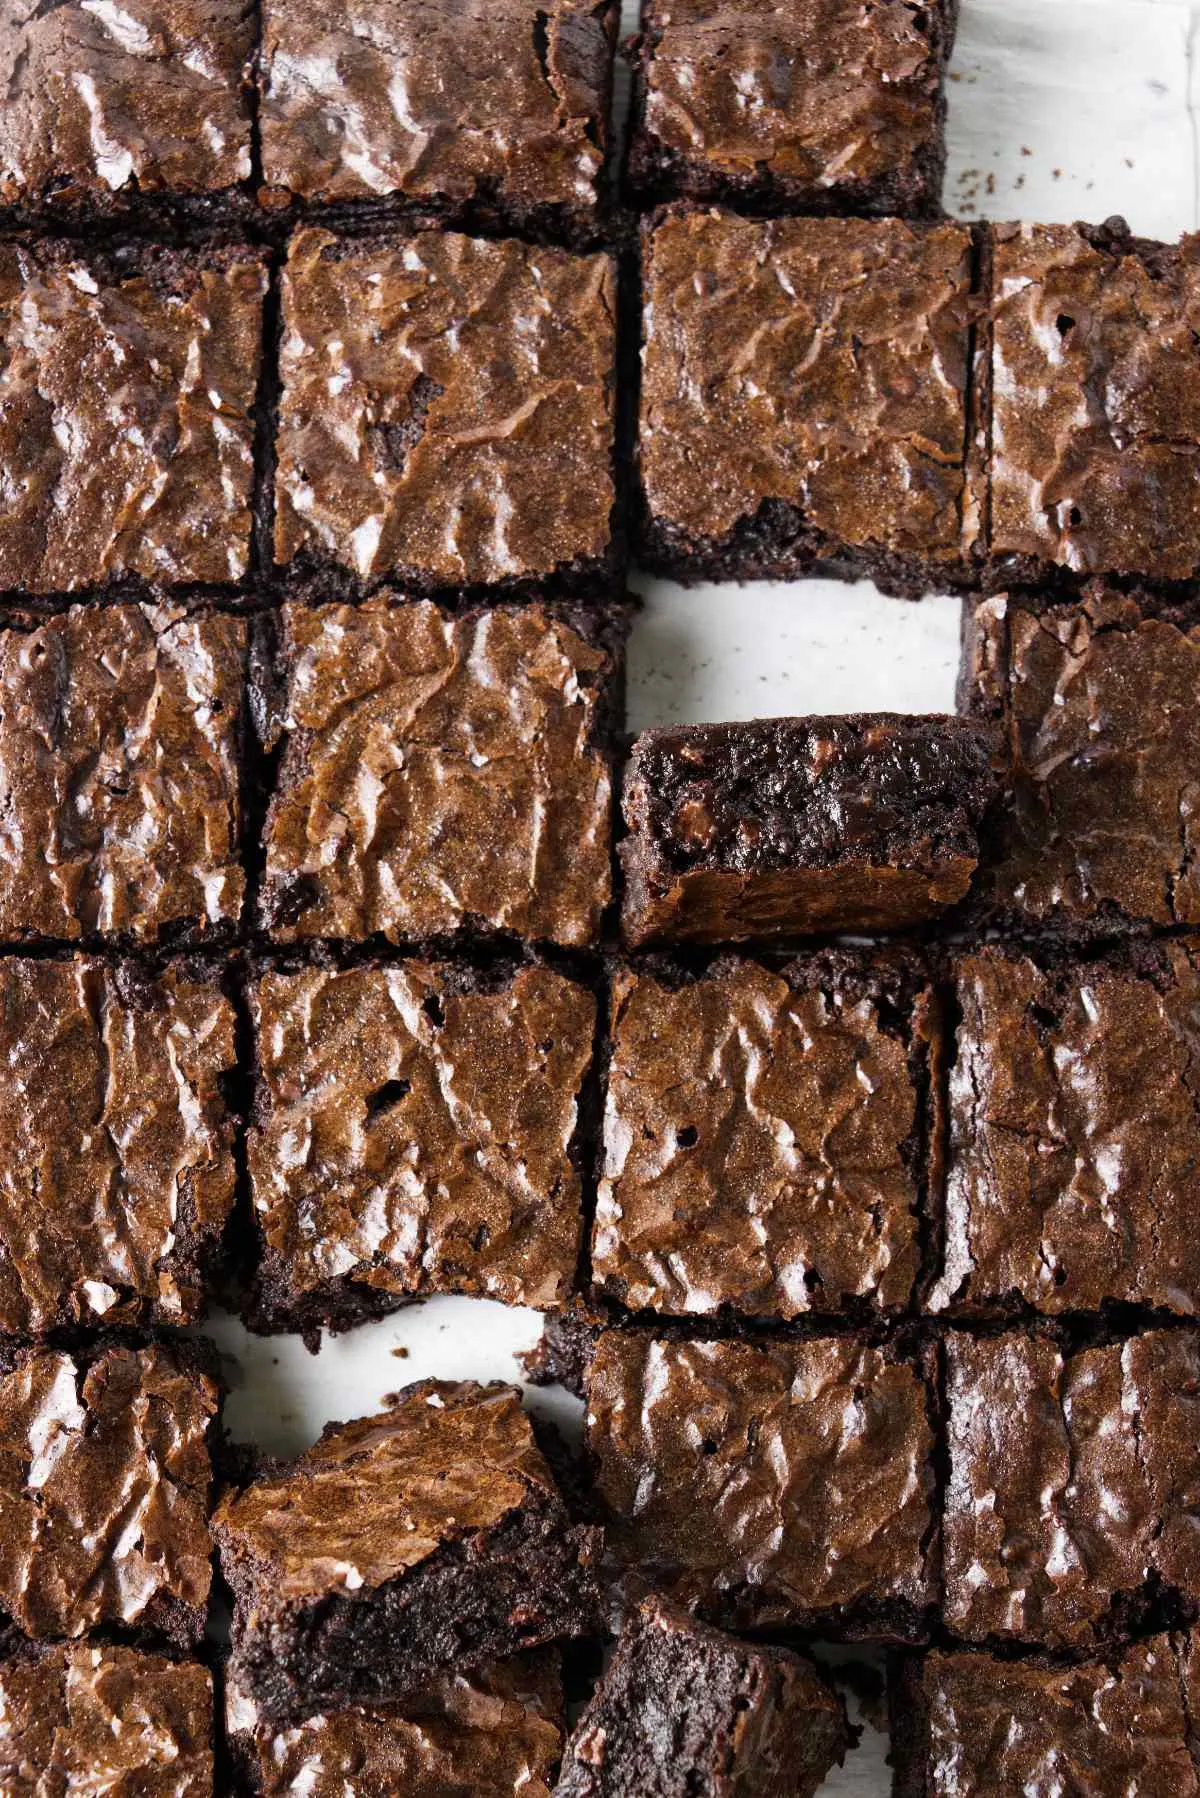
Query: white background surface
(1059,109)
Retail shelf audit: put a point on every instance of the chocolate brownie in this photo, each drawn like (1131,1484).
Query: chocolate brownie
(1110,483)
(972,1726)
(484,112)
(496,1733)
(126,432)
(414,1133)
(443,774)
(121,746)
(104,1488)
(764,1131)
(447,413)
(116,1144)
(93,1718)
(788,826)
(427,1540)
(108,105)
(767,1484)
(804,106)
(804,398)
(1100,702)
(1073,1173)
(1072,1504)
(683,1710)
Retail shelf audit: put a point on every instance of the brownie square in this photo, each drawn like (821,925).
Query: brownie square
(116,1144)
(767,1484)
(1100,702)
(496,1733)
(683,1709)
(1073,1502)
(107,105)
(121,746)
(415,1133)
(104,1487)
(786,827)
(1073,1174)
(804,106)
(127,425)
(99,1718)
(1108,483)
(447,410)
(443,775)
(764,1130)
(974,1726)
(483,112)
(804,398)
(428,1540)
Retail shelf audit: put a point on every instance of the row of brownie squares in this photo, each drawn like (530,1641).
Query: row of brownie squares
(852,396)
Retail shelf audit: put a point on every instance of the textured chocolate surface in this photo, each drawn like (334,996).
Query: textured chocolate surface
(491,1734)
(761,1139)
(108,102)
(1074,1155)
(455,104)
(818,104)
(440,774)
(447,409)
(789,826)
(1072,1485)
(126,429)
(102,1719)
(1110,485)
(684,1710)
(120,751)
(766,1485)
(803,383)
(116,1146)
(104,1479)
(414,1134)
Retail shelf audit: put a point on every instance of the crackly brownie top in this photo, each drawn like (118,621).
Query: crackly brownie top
(140,97)
(101,1718)
(439,100)
(374,1498)
(493,1733)
(1071,1483)
(997,1727)
(1074,1162)
(120,743)
(415,1131)
(440,773)
(759,1138)
(116,1146)
(822,92)
(1113,484)
(447,409)
(126,427)
(104,1477)
(817,362)
(763,1483)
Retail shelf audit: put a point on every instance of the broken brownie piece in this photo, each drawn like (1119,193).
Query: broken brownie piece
(784,827)
(683,1710)
(429,1539)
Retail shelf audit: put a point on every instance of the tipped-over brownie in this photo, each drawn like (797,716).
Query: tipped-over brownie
(427,1540)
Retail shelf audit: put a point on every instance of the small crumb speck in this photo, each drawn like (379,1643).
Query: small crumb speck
(400,1352)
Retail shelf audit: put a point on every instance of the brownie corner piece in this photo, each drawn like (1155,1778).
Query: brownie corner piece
(812,106)
(428,1539)
(683,1708)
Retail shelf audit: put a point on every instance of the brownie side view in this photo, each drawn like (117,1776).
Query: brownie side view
(808,106)
(683,1711)
(429,1539)
(804,399)
(786,827)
